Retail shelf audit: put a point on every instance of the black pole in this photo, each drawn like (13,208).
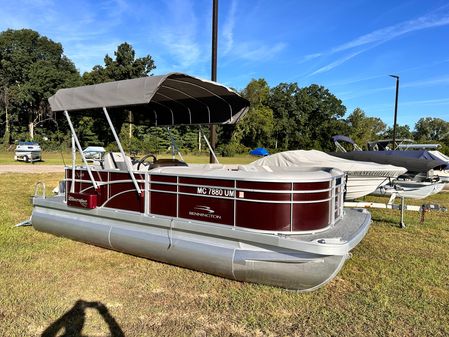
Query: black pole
(395,110)
(213,130)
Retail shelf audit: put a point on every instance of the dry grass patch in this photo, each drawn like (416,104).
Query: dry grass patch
(395,284)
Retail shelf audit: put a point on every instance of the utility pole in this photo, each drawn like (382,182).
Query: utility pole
(213,128)
(395,110)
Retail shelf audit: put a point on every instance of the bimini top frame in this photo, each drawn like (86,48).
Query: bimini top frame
(172,99)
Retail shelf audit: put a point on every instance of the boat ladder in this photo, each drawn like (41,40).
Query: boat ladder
(35,195)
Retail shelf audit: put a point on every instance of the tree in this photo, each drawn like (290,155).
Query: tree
(125,66)
(364,129)
(305,117)
(85,132)
(282,101)
(320,113)
(257,92)
(32,68)
(256,127)
(402,131)
(430,128)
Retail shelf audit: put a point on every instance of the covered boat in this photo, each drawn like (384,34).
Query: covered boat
(284,227)
(28,152)
(422,167)
(363,177)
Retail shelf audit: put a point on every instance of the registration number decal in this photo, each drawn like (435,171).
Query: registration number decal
(219,192)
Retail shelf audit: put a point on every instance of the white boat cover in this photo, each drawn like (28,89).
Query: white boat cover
(319,158)
(172,99)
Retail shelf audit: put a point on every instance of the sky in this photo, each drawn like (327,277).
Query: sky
(350,47)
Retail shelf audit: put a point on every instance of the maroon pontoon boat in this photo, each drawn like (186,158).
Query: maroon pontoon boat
(279,226)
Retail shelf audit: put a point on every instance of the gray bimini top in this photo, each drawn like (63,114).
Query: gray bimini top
(172,99)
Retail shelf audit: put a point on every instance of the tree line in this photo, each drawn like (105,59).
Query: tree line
(284,117)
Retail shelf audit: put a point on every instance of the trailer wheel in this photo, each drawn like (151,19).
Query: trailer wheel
(26,159)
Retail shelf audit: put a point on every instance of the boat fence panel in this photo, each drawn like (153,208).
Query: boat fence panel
(273,206)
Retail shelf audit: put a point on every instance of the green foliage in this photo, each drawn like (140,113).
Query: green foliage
(320,112)
(402,131)
(231,149)
(32,68)
(156,140)
(283,103)
(305,117)
(85,132)
(285,117)
(364,129)
(188,136)
(256,127)
(257,92)
(6,139)
(431,129)
(125,66)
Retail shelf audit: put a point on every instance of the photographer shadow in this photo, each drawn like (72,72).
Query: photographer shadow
(72,322)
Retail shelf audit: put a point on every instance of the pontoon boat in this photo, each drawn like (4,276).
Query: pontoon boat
(284,227)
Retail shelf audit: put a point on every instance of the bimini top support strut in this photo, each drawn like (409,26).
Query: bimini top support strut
(128,166)
(78,145)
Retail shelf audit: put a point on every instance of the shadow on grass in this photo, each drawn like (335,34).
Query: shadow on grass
(72,322)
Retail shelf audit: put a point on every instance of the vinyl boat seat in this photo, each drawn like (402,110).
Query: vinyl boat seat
(168,162)
(115,161)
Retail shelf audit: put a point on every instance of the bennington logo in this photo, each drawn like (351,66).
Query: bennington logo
(82,202)
(205,212)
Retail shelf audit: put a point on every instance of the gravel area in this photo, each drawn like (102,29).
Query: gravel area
(30,168)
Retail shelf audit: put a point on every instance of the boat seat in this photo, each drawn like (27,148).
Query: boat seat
(168,162)
(115,161)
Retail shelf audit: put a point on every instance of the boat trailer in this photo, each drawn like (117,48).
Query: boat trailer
(422,209)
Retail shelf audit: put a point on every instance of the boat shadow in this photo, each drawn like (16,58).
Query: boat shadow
(71,323)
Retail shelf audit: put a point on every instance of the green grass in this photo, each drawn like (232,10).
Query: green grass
(48,158)
(396,284)
(58,158)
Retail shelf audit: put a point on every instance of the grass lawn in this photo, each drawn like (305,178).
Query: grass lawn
(56,158)
(395,284)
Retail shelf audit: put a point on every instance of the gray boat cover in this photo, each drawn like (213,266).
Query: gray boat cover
(171,99)
(415,161)
(318,158)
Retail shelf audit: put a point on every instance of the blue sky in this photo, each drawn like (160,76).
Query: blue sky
(350,47)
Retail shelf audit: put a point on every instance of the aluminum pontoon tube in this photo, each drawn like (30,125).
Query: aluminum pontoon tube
(300,262)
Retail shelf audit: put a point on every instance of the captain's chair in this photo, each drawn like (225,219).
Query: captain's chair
(115,161)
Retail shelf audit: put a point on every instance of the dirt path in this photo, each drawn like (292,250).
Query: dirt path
(30,168)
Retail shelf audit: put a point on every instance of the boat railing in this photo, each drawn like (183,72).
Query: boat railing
(273,206)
